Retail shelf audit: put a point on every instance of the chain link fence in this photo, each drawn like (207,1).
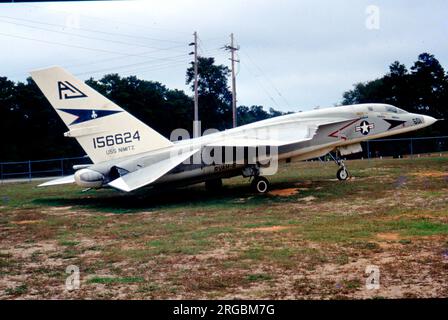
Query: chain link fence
(31,169)
(379,148)
(405,147)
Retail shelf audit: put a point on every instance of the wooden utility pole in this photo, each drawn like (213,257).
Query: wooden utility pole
(232,50)
(196,132)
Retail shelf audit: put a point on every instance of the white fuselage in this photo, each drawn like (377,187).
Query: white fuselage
(127,154)
(312,134)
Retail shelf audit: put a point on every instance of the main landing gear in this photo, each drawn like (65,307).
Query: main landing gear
(259,183)
(342,174)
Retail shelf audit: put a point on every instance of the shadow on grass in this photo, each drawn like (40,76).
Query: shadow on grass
(231,196)
(156,198)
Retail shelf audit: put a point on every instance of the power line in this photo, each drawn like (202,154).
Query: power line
(145,69)
(84,36)
(204,49)
(267,79)
(260,84)
(174,59)
(102,39)
(199,45)
(132,65)
(77,46)
(108,60)
(112,20)
(95,31)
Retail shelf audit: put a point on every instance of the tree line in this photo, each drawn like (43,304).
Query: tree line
(31,129)
(422,89)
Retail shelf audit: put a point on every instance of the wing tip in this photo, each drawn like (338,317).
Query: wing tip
(120,184)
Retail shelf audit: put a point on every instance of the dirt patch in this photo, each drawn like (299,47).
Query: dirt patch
(268,229)
(388,236)
(26,221)
(26,215)
(431,174)
(24,251)
(284,192)
(216,254)
(307,199)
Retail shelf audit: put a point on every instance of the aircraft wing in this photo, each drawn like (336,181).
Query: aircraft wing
(253,142)
(149,174)
(64,180)
(284,134)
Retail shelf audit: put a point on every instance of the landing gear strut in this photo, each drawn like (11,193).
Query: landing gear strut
(342,173)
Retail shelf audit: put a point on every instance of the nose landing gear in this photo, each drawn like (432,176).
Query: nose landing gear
(342,174)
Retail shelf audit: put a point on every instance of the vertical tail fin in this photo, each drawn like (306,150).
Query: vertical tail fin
(103,129)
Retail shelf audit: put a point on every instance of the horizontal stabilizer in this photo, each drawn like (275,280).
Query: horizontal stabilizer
(149,174)
(64,180)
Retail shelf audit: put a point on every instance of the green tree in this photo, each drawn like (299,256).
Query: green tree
(429,85)
(214,95)
(162,109)
(422,90)
(8,119)
(31,129)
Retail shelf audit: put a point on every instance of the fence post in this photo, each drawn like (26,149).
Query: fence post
(62,167)
(29,170)
(412,149)
(1,171)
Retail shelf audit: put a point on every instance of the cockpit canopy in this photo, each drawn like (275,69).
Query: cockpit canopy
(385,108)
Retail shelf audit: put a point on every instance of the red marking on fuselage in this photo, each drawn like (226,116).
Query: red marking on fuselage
(333,134)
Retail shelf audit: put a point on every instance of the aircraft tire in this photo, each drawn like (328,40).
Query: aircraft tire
(342,174)
(260,184)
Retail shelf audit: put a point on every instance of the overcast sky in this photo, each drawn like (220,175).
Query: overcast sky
(295,55)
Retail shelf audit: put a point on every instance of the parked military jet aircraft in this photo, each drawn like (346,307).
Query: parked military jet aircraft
(128,155)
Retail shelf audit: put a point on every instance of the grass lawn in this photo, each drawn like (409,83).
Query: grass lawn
(311,237)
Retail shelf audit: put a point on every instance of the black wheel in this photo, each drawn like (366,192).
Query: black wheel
(342,174)
(260,184)
(213,185)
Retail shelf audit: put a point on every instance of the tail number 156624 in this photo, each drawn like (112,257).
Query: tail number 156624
(115,139)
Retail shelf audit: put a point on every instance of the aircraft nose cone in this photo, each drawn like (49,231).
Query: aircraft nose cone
(429,120)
